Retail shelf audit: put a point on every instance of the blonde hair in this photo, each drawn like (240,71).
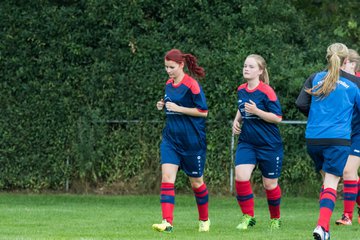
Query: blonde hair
(336,55)
(262,65)
(355,58)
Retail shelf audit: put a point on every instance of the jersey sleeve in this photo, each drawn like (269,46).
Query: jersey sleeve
(357,100)
(199,99)
(272,103)
(274,106)
(303,101)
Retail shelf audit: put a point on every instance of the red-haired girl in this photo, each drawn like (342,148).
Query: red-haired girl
(183,143)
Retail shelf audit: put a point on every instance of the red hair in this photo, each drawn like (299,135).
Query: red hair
(190,61)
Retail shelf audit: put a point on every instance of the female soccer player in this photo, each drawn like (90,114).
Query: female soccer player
(351,179)
(184,140)
(259,142)
(329,98)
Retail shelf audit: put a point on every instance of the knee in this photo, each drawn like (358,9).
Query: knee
(196,182)
(269,185)
(242,177)
(349,174)
(196,185)
(168,178)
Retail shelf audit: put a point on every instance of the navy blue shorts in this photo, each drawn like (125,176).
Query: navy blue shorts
(330,159)
(268,159)
(192,165)
(355,145)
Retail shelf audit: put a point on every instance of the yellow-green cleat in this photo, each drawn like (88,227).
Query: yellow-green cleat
(204,226)
(275,224)
(246,221)
(164,226)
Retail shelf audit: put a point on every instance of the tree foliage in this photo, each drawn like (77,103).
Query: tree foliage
(75,74)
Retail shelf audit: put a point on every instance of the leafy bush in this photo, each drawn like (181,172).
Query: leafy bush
(76,74)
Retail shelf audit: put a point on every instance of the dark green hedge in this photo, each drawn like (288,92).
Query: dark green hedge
(75,74)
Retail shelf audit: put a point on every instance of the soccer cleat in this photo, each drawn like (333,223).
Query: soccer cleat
(320,234)
(345,220)
(246,221)
(204,226)
(359,215)
(164,226)
(275,224)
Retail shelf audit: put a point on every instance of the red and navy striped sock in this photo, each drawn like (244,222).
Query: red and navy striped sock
(167,200)
(327,204)
(358,195)
(202,201)
(350,194)
(321,191)
(274,199)
(245,197)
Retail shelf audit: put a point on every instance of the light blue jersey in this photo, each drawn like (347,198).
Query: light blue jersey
(330,117)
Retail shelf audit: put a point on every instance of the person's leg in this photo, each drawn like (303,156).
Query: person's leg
(167,192)
(245,162)
(358,195)
(273,194)
(245,196)
(331,160)
(167,197)
(358,200)
(354,151)
(170,162)
(327,200)
(194,166)
(270,164)
(202,197)
(350,189)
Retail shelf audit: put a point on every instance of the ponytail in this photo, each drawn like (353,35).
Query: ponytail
(265,76)
(189,60)
(336,54)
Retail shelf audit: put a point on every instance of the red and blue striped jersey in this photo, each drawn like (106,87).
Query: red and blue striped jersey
(255,130)
(185,133)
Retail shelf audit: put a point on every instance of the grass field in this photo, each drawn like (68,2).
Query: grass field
(130,217)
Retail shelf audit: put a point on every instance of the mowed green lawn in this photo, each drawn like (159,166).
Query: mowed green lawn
(130,217)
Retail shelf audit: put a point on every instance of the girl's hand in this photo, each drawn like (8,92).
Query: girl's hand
(160,104)
(251,107)
(173,107)
(236,128)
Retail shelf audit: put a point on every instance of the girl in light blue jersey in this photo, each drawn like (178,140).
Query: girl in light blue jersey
(329,98)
